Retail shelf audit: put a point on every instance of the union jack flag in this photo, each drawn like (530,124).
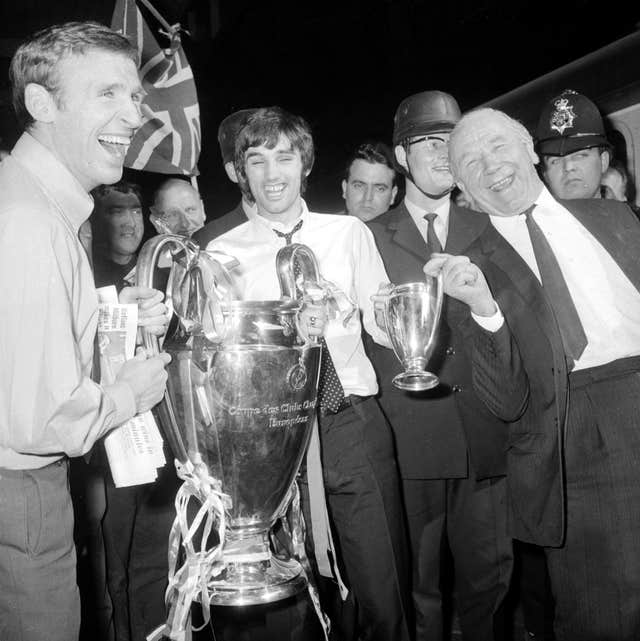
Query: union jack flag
(169,140)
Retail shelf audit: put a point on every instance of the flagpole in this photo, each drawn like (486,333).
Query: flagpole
(156,15)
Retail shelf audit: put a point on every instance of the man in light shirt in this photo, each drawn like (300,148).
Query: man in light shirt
(274,156)
(76,90)
(563,280)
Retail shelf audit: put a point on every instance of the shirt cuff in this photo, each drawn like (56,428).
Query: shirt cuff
(490,323)
(123,400)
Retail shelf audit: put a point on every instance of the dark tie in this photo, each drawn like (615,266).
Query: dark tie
(330,390)
(574,339)
(288,235)
(433,242)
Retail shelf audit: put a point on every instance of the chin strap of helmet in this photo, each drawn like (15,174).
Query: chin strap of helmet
(407,173)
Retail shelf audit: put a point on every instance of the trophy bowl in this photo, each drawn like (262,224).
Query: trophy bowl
(246,412)
(411,315)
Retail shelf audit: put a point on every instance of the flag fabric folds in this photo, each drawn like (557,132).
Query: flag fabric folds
(169,140)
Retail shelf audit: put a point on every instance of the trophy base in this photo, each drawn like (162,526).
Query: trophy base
(255,583)
(416,381)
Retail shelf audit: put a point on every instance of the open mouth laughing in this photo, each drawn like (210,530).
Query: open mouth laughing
(115,145)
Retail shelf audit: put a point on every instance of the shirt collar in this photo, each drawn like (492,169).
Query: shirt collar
(275,224)
(417,213)
(250,209)
(544,202)
(61,186)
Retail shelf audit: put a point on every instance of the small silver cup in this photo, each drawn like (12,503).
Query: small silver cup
(411,315)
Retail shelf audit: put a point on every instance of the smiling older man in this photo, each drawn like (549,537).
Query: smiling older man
(563,279)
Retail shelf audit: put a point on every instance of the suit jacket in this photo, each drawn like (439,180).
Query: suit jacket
(436,430)
(535,475)
(219,226)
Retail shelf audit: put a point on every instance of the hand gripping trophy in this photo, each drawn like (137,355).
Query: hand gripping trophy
(238,413)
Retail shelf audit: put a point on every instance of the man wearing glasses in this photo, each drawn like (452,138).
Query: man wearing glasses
(450,448)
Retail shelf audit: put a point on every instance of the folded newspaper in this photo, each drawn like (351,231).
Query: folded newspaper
(134,449)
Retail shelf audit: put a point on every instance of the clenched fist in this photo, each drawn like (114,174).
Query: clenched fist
(464,281)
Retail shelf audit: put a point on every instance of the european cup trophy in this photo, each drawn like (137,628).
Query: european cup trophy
(238,415)
(411,315)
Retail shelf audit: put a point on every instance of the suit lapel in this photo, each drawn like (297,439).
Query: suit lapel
(615,227)
(465,226)
(405,234)
(500,252)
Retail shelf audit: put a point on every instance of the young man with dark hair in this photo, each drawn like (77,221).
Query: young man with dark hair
(369,186)
(118,226)
(76,90)
(274,156)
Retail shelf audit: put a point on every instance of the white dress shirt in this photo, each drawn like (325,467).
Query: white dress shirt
(347,256)
(440,223)
(606,301)
(49,406)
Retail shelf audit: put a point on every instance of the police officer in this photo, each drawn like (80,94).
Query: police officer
(451,450)
(573,147)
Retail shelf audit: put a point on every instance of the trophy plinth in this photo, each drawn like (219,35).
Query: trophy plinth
(416,378)
(252,574)
(411,314)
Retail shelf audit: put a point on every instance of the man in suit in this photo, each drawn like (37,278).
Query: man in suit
(564,279)
(369,184)
(228,131)
(451,449)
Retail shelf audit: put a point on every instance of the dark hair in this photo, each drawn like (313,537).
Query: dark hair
(376,153)
(36,60)
(265,127)
(98,227)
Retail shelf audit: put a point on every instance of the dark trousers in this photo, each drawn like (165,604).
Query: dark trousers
(39,598)
(595,575)
(534,590)
(136,530)
(469,518)
(364,502)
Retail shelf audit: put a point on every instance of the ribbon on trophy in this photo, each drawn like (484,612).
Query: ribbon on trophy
(294,527)
(189,582)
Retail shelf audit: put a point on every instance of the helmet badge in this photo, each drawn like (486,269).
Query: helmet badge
(563,116)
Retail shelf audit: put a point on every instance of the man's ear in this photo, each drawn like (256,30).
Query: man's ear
(401,156)
(39,103)
(531,152)
(344,189)
(229,167)
(605,159)
(394,193)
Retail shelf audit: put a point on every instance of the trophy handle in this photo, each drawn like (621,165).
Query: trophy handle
(290,258)
(145,270)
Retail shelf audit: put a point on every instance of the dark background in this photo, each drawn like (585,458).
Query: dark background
(345,65)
